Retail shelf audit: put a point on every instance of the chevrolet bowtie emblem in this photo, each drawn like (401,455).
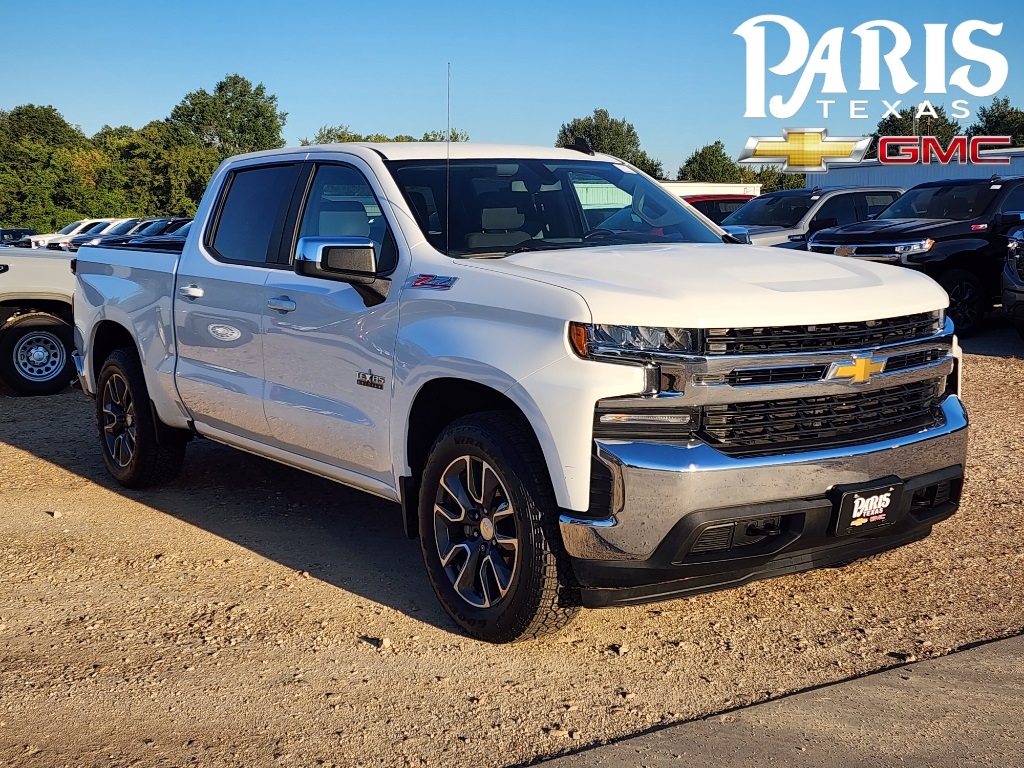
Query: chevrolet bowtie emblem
(805,150)
(845,251)
(859,371)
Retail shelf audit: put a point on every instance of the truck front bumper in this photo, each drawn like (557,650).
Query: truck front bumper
(682,512)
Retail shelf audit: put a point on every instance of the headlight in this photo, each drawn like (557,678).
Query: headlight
(912,249)
(630,342)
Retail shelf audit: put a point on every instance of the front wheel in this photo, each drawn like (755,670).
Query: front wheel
(35,354)
(489,532)
(967,303)
(136,454)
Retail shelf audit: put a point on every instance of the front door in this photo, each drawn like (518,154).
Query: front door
(328,356)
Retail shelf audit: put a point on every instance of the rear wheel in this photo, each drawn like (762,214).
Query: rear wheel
(967,303)
(489,532)
(128,429)
(35,354)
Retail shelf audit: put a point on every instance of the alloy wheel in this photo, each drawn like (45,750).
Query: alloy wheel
(476,531)
(963,305)
(119,425)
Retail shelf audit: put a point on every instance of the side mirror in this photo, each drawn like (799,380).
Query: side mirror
(346,259)
(872,216)
(350,260)
(817,225)
(737,233)
(1009,218)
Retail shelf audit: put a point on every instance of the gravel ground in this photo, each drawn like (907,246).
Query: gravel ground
(251,615)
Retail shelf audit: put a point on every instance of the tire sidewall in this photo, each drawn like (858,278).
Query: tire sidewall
(118,363)
(505,620)
(13,333)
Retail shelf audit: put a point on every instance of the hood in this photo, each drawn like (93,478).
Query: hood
(886,230)
(714,286)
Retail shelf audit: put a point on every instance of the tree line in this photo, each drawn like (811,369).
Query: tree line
(51,173)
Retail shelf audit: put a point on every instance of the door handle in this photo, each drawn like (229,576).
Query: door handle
(192,292)
(281,304)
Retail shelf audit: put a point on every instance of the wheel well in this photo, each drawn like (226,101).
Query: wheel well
(108,337)
(967,261)
(53,307)
(438,404)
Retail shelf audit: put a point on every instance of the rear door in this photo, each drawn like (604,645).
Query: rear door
(219,301)
(329,357)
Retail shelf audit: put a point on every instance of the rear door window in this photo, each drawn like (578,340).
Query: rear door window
(252,212)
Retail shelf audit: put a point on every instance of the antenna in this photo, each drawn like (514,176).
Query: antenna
(448,170)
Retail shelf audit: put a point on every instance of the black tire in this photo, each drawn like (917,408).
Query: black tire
(35,354)
(128,429)
(967,301)
(515,494)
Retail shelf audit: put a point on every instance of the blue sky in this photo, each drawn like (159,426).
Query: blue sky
(519,70)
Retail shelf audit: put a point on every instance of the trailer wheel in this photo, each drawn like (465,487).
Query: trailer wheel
(35,354)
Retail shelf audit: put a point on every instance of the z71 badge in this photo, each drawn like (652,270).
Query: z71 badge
(434,282)
(371,380)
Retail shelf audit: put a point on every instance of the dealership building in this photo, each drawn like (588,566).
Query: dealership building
(874,173)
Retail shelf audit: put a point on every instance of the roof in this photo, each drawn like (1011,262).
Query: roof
(719,196)
(827,190)
(440,150)
(996,179)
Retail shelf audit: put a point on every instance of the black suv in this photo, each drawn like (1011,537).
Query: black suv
(954,231)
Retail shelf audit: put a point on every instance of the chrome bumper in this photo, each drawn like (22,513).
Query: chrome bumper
(655,485)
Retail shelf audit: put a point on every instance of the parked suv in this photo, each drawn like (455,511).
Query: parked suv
(1013,279)
(717,207)
(789,216)
(953,230)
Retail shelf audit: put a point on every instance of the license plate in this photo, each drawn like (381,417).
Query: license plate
(864,509)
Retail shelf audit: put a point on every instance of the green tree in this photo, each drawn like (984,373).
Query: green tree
(906,123)
(611,136)
(999,119)
(236,117)
(771,178)
(709,163)
(334,134)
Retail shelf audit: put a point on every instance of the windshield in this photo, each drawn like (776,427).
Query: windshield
(772,210)
(69,228)
(954,201)
(124,226)
(502,206)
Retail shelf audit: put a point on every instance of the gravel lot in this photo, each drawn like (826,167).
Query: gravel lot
(251,615)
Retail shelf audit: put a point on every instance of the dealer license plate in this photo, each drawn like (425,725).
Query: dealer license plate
(867,508)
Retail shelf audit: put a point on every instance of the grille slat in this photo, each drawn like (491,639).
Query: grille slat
(808,423)
(821,337)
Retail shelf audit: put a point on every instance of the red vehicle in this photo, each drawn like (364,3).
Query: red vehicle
(717,207)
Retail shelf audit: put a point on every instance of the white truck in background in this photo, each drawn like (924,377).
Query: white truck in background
(593,403)
(36,336)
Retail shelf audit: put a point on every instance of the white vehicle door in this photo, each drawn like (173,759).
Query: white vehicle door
(328,350)
(219,301)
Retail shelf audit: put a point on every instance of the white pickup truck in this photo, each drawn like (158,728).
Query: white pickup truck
(36,337)
(579,391)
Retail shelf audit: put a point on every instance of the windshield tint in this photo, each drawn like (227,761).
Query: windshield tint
(69,228)
(498,206)
(955,201)
(772,211)
(124,226)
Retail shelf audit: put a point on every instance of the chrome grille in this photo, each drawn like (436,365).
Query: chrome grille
(820,337)
(811,423)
